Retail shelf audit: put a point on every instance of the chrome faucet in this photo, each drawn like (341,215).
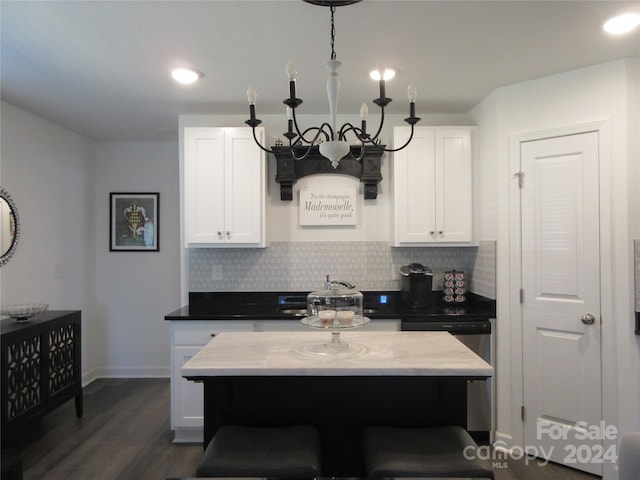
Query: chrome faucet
(334,283)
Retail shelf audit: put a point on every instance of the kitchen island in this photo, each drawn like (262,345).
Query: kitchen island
(383,378)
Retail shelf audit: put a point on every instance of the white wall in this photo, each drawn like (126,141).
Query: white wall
(60,182)
(49,173)
(135,290)
(607,92)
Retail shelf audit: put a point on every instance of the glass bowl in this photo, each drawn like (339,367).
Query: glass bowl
(24,311)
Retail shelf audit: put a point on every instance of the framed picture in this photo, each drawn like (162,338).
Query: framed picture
(134,222)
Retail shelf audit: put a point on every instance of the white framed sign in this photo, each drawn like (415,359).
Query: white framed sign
(328,206)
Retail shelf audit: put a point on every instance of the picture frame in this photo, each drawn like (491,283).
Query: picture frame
(134,222)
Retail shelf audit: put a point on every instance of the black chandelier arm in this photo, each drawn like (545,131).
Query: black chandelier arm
(360,135)
(375,137)
(293,143)
(358,131)
(374,142)
(306,153)
(320,129)
(391,150)
(282,149)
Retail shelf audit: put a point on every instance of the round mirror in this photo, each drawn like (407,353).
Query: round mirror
(9,226)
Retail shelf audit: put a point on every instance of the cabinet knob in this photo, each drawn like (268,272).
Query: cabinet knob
(432,232)
(228,233)
(219,233)
(440,232)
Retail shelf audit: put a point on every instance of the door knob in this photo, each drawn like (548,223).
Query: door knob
(588,319)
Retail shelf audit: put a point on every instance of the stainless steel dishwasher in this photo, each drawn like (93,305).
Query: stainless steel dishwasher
(476,333)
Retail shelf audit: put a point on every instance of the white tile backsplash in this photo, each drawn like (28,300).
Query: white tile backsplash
(483,280)
(303,266)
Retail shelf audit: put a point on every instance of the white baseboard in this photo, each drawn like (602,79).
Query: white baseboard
(188,435)
(125,372)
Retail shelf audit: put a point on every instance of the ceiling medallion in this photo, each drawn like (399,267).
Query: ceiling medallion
(333,142)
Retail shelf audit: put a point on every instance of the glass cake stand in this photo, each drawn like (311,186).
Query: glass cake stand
(335,322)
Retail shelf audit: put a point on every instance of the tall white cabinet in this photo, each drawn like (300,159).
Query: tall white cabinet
(224,187)
(433,187)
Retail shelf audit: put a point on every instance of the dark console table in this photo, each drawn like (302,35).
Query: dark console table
(41,368)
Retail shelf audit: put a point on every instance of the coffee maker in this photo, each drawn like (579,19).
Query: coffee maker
(417,283)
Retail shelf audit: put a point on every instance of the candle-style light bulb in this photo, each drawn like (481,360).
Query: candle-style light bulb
(364,112)
(412,93)
(291,71)
(251,95)
(289,113)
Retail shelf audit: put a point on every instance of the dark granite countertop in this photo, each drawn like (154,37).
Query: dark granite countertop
(274,306)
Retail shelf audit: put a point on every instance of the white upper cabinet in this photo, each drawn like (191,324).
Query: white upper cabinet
(433,187)
(224,187)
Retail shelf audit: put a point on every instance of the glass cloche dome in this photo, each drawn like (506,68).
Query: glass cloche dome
(337,307)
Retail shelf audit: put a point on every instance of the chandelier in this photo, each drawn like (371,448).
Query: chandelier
(333,143)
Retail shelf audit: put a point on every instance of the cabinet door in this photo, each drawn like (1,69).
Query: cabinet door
(414,187)
(245,187)
(453,189)
(432,186)
(204,185)
(187,398)
(187,405)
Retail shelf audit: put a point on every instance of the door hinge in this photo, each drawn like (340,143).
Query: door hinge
(520,176)
(522,412)
(522,296)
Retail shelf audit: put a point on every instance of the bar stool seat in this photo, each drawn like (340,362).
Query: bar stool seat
(440,452)
(283,452)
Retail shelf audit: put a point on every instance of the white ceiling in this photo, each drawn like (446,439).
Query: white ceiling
(100,68)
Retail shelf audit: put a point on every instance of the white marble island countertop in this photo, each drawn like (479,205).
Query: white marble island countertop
(369,354)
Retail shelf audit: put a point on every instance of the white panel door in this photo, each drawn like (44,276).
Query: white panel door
(561,295)
(244,167)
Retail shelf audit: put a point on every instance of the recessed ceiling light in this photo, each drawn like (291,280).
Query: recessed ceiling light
(385,74)
(185,76)
(622,24)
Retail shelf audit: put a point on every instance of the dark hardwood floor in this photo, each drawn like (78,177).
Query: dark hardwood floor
(125,435)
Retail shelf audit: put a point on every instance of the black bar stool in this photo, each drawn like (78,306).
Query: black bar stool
(282,452)
(439,452)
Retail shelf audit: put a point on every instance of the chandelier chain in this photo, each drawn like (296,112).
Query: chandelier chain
(335,145)
(333,33)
